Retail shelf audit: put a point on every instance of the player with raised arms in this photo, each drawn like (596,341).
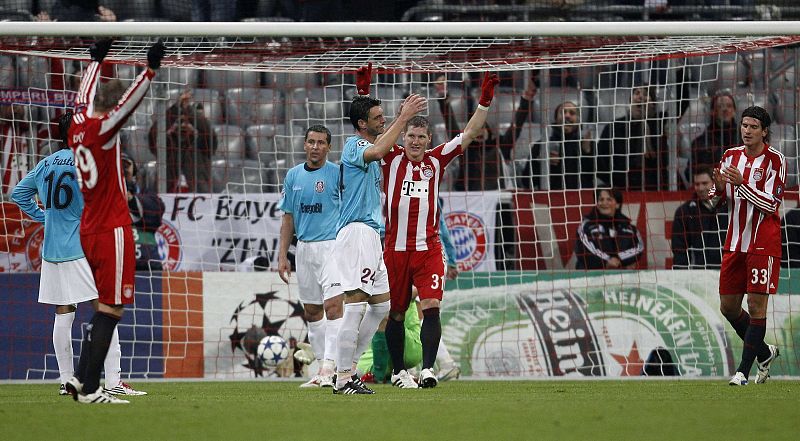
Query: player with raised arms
(413,252)
(101,109)
(751,177)
(66,278)
(358,249)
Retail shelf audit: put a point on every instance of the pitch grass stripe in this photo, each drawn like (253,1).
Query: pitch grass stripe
(465,410)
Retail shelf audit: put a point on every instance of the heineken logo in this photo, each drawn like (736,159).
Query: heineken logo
(595,330)
(632,322)
(570,344)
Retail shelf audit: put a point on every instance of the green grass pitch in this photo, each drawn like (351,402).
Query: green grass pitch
(456,410)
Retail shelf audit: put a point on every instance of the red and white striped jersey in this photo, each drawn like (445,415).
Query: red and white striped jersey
(95,142)
(754,225)
(412,194)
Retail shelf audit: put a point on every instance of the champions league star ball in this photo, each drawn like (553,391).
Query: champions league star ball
(273,350)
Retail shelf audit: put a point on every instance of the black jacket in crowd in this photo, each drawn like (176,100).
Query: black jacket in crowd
(146,209)
(481,166)
(698,234)
(602,237)
(791,239)
(621,154)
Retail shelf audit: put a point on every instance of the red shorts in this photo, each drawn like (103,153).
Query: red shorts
(745,273)
(112,258)
(423,269)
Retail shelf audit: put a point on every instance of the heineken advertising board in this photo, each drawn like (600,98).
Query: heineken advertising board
(604,325)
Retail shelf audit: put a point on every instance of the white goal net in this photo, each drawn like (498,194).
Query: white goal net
(640,108)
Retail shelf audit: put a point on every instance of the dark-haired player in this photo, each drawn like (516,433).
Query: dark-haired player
(751,177)
(101,109)
(358,250)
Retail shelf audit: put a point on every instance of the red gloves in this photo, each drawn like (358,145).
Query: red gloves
(363,78)
(487,89)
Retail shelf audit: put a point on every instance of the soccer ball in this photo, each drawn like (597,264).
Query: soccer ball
(272,350)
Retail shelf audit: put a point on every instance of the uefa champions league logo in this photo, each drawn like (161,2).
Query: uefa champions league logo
(265,314)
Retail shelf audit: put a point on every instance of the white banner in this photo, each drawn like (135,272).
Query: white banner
(219,232)
(470,217)
(226,232)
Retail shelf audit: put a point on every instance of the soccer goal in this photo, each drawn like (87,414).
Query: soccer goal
(640,107)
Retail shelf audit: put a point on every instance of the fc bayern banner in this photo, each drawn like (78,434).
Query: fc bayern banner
(219,232)
(470,218)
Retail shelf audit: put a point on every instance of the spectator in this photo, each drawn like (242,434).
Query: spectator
(481,167)
(721,133)
(791,239)
(632,152)
(210,10)
(698,231)
(606,238)
(78,10)
(147,209)
(191,142)
(571,152)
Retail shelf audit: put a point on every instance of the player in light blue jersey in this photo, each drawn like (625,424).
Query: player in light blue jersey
(311,210)
(66,278)
(358,252)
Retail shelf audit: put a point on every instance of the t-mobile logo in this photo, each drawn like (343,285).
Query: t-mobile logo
(415,189)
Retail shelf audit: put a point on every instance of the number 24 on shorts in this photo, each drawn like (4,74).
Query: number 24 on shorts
(368,276)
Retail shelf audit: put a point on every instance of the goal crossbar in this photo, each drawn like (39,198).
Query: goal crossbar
(403,29)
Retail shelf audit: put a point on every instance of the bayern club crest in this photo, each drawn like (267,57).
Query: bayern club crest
(427,172)
(319,187)
(468,232)
(168,240)
(758,173)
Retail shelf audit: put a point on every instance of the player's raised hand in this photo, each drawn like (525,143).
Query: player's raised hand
(99,49)
(155,54)
(413,105)
(487,88)
(363,79)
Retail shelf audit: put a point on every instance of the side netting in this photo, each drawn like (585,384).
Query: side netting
(580,107)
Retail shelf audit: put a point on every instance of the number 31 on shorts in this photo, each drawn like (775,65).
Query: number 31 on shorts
(438,281)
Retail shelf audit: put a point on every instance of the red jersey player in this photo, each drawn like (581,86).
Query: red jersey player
(751,177)
(101,109)
(413,252)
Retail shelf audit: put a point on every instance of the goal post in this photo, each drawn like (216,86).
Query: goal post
(580,106)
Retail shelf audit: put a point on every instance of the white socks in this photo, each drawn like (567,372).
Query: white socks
(316,336)
(62,342)
(331,340)
(372,319)
(112,366)
(348,337)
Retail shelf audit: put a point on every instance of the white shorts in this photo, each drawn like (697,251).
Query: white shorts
(66,283)
(317,278)
(359,257)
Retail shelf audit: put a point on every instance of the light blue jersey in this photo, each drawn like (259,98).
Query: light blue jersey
(312,198)
(54,179)
(360,187)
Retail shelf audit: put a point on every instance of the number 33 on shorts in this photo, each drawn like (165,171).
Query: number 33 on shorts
(763,275)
